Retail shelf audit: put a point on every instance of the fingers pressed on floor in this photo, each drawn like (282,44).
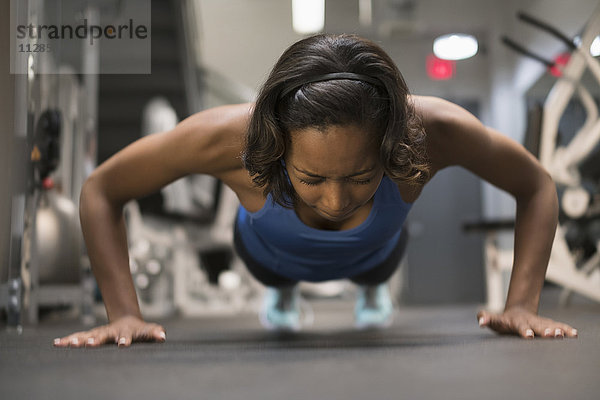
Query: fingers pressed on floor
(483,319)
(553,332)
(573,333)
(500,324)
(559,333)
(527,333)
(569,331)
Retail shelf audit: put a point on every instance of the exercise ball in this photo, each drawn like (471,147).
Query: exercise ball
(59,239)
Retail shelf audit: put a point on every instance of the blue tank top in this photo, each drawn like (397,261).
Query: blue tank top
(277,239)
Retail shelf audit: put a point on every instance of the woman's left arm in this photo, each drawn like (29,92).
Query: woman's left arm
(461,139)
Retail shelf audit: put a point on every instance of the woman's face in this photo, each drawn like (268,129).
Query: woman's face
(336,171)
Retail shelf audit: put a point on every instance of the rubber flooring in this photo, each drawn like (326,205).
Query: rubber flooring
(428,353)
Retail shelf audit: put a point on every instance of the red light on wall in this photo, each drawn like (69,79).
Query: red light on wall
(560,60)
(438,69)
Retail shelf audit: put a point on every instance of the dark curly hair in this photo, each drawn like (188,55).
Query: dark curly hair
(383,110)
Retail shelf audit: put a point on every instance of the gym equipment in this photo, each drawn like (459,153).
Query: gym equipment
(575,259)
(56,221)
(54,142)
(55,270)
(191,197)
(58,237)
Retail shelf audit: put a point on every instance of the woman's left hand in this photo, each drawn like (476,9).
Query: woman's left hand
(519,321)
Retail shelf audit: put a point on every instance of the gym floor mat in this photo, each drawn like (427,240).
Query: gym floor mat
(428,353)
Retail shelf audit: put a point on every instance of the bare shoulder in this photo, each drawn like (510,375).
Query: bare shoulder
(457,137)
(431,108)
(438,116)
(442,120)
(213,139)
(209,142)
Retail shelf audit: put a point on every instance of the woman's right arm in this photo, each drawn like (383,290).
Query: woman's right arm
(208,142)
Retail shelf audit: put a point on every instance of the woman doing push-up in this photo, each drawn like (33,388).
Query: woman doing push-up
(326,165)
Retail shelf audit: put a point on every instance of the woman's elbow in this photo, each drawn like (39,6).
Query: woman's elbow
(93,197)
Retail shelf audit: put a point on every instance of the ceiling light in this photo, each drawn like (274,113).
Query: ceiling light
(595,47)
(365,12)
(455,46)
(308,16)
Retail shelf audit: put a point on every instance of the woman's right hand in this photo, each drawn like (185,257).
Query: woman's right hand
(122,331)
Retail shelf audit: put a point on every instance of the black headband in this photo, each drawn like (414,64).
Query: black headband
(329,77)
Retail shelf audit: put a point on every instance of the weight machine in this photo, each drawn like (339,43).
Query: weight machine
(54,144)
(575,259)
